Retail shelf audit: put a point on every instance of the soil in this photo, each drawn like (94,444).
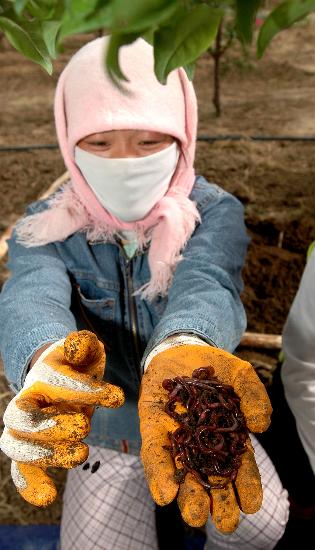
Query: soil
(274,180)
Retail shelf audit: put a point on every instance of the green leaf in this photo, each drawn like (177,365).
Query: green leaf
(19,6)
(59,9)
(246,11)
(6,5)
(148,36)
(50,34)
(139,15)
(281,356)
(34,29)
(24,43)
(112,56)
(41,9)
(183,41)
(190,70)
(310,250)
(99,19)
(281,18)
(79,8)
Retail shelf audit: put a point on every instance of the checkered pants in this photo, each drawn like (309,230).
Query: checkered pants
(111,508)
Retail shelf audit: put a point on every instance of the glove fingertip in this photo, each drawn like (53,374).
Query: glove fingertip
(69,454)
(82,348)
(113,396)
(225,511)
(258,423)
(159,473)
(33,484)
(248,484)
(163,493)
(193,502)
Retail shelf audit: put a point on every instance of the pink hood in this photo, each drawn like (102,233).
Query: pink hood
(86,102)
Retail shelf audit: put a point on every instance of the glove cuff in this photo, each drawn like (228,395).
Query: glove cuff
(31,376)
(175,340)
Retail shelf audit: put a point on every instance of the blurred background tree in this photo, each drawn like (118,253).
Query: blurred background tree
(179,30)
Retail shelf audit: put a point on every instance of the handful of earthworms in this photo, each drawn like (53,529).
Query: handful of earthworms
(212,434)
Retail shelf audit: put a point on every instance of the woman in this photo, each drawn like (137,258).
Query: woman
(148,257)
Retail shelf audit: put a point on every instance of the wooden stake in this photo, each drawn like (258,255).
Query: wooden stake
(261,340)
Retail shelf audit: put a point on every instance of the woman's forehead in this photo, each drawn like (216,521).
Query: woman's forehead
(129,133)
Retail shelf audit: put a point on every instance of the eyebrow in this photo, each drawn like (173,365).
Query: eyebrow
(109,133)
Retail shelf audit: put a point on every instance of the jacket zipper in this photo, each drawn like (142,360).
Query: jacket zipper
(132,308)
(133,316)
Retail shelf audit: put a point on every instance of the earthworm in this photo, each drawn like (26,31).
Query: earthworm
(212,431)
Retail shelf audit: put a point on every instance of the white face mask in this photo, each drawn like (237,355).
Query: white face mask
(129,187)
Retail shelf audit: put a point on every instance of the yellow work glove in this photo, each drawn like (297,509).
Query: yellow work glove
(193,500)
(47,420)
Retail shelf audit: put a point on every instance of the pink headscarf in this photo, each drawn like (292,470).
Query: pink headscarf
(87,102)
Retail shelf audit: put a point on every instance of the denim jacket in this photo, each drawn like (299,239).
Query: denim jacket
(75,284)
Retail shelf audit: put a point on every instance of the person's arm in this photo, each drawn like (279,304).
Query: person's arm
(298,369)
(37,354)
(67,378)
(204,299)
(34,307)
(245,492)
(204,313)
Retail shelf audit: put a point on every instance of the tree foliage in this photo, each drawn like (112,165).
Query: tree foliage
(179,30)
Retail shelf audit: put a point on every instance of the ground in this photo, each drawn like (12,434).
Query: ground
(274,180)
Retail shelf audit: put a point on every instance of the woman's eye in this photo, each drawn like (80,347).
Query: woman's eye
(150,142)
(99,144)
